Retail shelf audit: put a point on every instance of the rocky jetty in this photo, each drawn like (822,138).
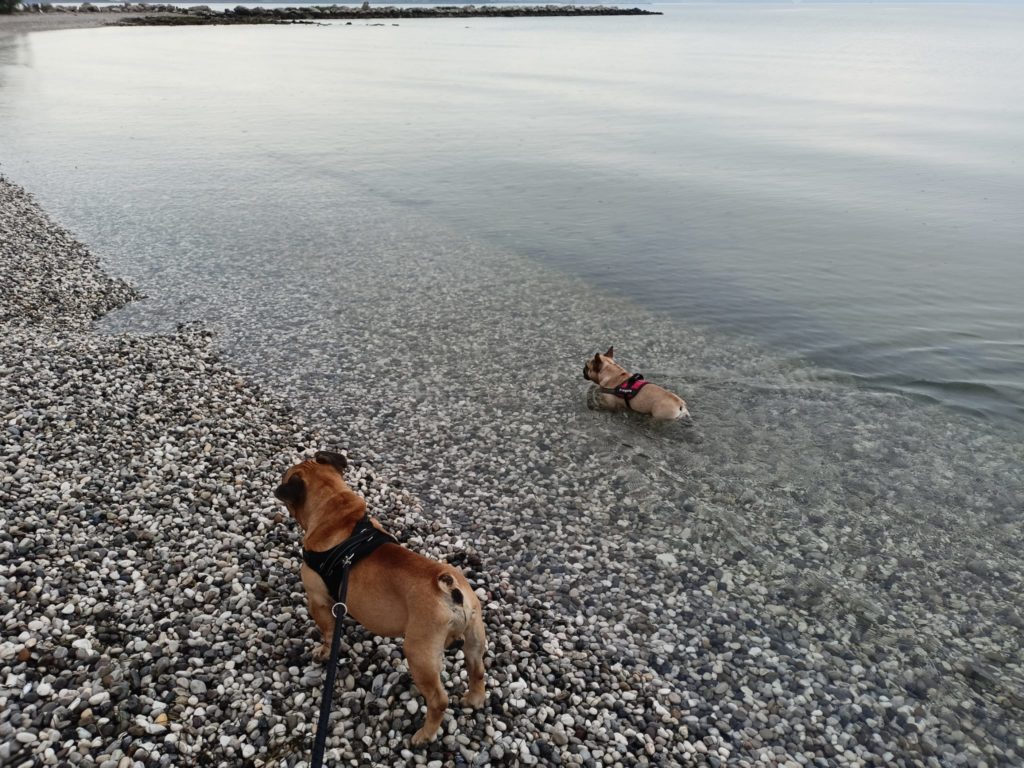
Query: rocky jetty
(149,14)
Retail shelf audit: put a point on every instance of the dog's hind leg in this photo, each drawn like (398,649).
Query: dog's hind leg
(669,412)
(475,645)
(425,655)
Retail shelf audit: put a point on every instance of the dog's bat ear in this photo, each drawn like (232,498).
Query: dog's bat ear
(333,459)
(596,366)
(610,352)
(292,492)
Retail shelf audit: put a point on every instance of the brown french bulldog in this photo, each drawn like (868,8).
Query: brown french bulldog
(617,389)
(393,591)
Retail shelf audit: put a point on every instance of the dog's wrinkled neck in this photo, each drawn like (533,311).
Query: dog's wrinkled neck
(332,519)
(612,375)
(299,515)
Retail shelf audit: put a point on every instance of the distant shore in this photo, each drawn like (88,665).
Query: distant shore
(33,21)
(144,14)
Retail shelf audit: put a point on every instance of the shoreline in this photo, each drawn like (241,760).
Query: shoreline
(28,21)
(152,669)
(135,478)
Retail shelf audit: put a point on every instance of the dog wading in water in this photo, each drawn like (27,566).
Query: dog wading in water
(618,389)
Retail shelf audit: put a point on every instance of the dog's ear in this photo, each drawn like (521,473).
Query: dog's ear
(610,352)
(596,364)
(333,459)
(292,492)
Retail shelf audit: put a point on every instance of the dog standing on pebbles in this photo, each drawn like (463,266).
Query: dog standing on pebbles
(618,388)
(392,591)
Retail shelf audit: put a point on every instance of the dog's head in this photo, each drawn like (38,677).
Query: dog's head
(310,481)
(600,365)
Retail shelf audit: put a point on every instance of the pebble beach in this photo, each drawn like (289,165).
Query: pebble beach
(152,612)
(756,590)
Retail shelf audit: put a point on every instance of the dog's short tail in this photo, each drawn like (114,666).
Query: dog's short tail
(447,584)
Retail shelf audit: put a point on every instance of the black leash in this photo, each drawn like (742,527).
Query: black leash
(333,567)
(320,742)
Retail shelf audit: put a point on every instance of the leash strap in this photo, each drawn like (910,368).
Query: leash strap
(320,742)
(333,567)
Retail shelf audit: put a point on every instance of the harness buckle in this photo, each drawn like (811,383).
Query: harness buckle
(334,611)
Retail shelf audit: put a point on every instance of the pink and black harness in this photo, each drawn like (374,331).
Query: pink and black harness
(628,389)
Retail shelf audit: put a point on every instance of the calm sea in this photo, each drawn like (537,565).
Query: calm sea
(843,184)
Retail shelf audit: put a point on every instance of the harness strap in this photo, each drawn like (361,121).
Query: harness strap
(332,565)
(628,389)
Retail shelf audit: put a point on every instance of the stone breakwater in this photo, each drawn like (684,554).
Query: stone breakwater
(172,15)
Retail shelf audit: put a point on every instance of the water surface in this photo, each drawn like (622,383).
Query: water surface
(843,183)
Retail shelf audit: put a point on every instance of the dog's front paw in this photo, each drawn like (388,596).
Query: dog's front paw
(423,735)
(321,653)
(473,700)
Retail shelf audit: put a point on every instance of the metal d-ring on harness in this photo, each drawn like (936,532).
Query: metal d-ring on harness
(333,567)
(627,390)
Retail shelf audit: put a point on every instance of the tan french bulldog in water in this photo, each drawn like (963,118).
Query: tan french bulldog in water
(618,388)
(393,592)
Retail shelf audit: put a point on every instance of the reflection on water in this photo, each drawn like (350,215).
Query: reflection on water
(378,211)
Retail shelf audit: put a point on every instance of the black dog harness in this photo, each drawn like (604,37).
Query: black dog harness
(333,564)
(628,389)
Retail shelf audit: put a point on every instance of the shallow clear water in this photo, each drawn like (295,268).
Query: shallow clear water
(420,232)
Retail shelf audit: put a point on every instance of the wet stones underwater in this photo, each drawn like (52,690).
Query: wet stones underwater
(738,608)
